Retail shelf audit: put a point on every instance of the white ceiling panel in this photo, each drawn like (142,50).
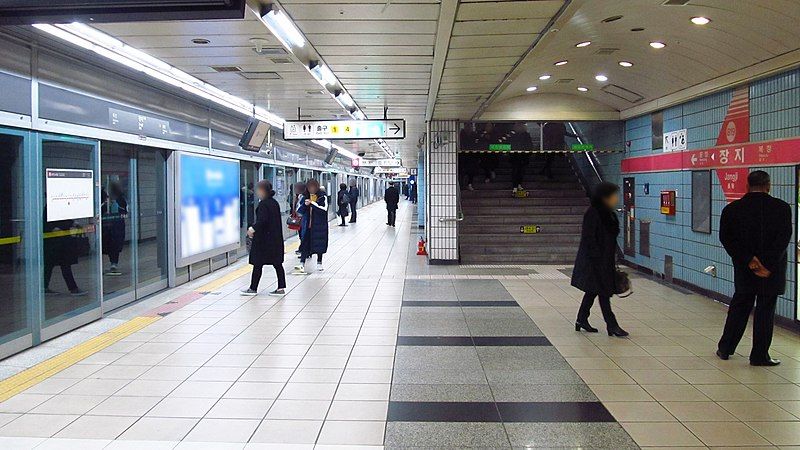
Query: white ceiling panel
(510,26)
(369,26)
(530,9)
(383,39)
(376,50)
(492,40)
(375,11)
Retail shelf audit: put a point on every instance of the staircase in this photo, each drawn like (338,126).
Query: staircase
(490,232)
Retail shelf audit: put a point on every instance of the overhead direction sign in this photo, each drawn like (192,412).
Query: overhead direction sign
(386,162)
(388,170)
(344,129)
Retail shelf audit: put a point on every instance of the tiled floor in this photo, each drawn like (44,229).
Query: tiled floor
(381,349)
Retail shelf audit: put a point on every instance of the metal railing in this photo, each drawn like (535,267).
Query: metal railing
(584,163)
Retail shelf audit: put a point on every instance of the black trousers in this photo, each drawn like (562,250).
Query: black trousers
(353,215)
(343,217)
(392,215)
(736,323)
(257,271)
(66,272)
(605,307)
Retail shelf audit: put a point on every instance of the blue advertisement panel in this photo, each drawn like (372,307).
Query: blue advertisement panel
(208,190)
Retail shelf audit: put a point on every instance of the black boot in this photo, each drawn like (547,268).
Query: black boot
(585,325)
(617,331)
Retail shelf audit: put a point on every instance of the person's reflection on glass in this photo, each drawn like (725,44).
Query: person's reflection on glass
(115,211)
(61,250)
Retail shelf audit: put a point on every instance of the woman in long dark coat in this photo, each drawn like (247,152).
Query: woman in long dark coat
(343,200)
(595,265)
(267,235)
(314,210)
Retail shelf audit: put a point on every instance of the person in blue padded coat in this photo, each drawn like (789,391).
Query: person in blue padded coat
(314,211)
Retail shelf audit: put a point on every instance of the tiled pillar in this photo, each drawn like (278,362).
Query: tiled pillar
(441,191)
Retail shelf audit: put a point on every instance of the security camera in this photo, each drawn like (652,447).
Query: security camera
(711,270)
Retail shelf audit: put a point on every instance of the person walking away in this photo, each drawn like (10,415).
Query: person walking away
(353,193)
(314,210)
(521,144)
(343,201)
(267,236)
(595,264)
(755,231)
(554,140)
(392,198)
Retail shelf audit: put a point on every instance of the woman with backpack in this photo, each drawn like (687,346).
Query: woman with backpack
(343,200)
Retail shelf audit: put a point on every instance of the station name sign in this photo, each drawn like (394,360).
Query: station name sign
(344,129)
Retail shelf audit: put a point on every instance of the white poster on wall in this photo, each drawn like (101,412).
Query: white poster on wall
(675,141)
(70,194)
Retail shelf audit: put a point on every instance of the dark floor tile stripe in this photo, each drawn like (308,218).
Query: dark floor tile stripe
(445,341)
(554,412)
(443,412)
(525,412)
(431,303)
(492,303)
(511,341)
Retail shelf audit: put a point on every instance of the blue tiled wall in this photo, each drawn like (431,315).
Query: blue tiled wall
(774,114)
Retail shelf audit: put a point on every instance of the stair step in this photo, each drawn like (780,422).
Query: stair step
(525,202)
(565,184)
(531,210)
(519,239)
(513,228)
(524,218)
(532,193)
(535,248)
(562,260)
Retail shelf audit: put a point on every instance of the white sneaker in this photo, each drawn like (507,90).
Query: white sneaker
(299,270)
(319,267)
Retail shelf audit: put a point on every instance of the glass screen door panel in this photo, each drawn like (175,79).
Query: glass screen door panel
(70,239)
(14,298)
(248,177)
(116,168)
(151,240)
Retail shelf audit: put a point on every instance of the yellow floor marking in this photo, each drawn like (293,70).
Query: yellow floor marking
(14,385)
(29,377)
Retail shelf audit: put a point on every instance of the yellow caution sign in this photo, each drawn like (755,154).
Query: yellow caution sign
(530,229)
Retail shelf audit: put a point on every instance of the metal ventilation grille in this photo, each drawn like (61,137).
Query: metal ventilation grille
(269,51)
(260,75)
(227,68)
(606,50)
(621,92)
(565,80)
(282,60)
(675,2)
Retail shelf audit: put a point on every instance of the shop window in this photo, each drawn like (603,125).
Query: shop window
(701,201)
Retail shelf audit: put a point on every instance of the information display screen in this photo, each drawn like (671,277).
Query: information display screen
(18,12)
(70,194)
(208,193)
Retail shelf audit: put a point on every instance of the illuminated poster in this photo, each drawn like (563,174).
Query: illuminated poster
(70,194)
(209,206)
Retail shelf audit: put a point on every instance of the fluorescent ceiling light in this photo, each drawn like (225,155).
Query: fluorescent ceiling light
(561,63)
(531,88)
(583,44)
(626,64)
(544,77)
(92,39)
(701,20)
(345,100)
(282,27)
(359,115)
(601,77)
(657,44)
(583,89)
(323,74)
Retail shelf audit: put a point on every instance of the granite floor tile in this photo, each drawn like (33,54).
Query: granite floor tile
(438,365)
(542,393)
(441,393)
(446,434)
(569,435)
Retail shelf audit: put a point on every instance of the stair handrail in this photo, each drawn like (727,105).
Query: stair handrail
(590,158)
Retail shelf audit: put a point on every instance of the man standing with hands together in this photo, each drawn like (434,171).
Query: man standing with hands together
(755,232)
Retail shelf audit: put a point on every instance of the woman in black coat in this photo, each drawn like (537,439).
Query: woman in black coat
(343,200)
(314,210)
(595,265)
(267,235)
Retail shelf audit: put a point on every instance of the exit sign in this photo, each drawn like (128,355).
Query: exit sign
(500,147)
(582,147)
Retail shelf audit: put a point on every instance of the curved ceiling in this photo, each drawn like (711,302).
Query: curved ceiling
(741,34)
(550,106)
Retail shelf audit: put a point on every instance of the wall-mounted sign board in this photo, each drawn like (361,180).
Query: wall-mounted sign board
(70,194)
(344,129)
(386,162)
(395,170)
(675,141)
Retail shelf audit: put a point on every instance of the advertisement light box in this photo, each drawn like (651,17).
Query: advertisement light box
(208,193)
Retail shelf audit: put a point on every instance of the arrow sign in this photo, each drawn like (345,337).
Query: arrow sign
(344,129)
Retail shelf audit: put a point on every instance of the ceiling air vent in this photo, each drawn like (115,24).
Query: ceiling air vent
(282,60)
(565,80)
(260,75)
(315,92)
(606,51)
(269,51)
(675,2)
(621,92)
(227,68)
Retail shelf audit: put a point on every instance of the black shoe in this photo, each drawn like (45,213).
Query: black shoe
(768,363)
(722,356)
(618,332)
(585,326)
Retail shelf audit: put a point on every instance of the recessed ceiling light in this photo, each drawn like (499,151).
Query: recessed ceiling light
(561,63)
(201,41)
(531,88)
(626,64)
(611,19)
(637,29)
(583,89)
(583,44)
(657,44)
(701,20)
(544,77)
(601,77)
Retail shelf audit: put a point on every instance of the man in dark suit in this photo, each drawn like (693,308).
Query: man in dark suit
(392,198)
(755,232)
(353,193)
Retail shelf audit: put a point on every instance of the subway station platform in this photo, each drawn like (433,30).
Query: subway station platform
(382,350)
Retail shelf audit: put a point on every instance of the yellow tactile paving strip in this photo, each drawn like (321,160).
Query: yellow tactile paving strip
(17,383)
